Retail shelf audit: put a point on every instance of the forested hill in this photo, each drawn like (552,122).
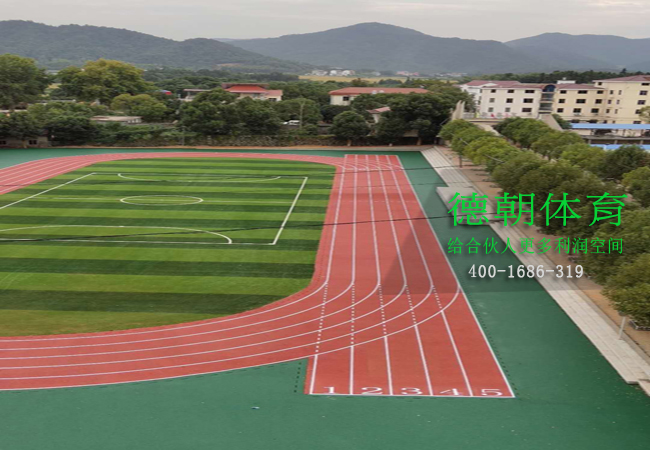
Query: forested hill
(388,47)
(57,47)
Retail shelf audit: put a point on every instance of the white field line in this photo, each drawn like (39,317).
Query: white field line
(248,180)
(291,208)
(44,192)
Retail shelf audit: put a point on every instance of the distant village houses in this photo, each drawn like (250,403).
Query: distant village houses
(256,91)
(346,95)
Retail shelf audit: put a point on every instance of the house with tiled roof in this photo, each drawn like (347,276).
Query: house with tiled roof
(346,95)
(242,90)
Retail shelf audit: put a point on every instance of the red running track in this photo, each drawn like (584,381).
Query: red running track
(383,315)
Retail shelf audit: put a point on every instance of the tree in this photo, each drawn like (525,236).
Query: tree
(490,151)
(21,81)
(624,159)
(584,156)
(302,109)
(564,124)
(421,112)
(637,183)
(350,125)
(644,114)
(634,232)
(210,113)
(552,143)
(633,301)
(103,80)
(20,125)
(218,112)
(451,128)
(509,174)
(70,128)
(529,132)
(465,137)
(329,112)
(150,109)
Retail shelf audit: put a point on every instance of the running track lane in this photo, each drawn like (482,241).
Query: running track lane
(383,315)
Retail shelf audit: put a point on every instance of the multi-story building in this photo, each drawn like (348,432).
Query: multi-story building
(625,97)
(615,100)
(510,98)
(242,90)
(579,102)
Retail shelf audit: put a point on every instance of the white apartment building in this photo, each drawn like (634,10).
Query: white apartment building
(625,97)
(511,99)
(616,100)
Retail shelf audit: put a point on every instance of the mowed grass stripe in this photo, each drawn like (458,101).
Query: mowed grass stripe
(163,212)
(203,224)
(50,203)
(80,282)
(218,194)
(153,267)
(230,254)
(283,244)
(216,305)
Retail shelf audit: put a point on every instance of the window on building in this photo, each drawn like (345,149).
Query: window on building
(492,100)
(529,91)
(562,100)
(608,111)
(595,110)
(33,142)
(529,100)
(616,111)
(604,121)
(643,93)
(562,92)
(599,101)
(641,102)
(511,91)
(560,110)
(581,100)
(636,122)
(577,110)
(618,102)
(613,121)
(645,84)
(507,110)
(526,110)
(638,111)
(601,92)
(490,109)
(611,92)
(593,121)
(609,102)
(582,92)
(3,142)
(494,91)
(599,84)
(575,121)
(509,100)
(620,92)
(346,98)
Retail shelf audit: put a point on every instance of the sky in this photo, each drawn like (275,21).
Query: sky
(500,20)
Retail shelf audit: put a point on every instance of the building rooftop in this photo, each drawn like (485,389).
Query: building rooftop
(377,90)
(610,126)
(383,109)
(641,78)
(579,87)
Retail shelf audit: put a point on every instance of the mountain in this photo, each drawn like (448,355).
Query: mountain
(386,47)
(586,50)
(57,47)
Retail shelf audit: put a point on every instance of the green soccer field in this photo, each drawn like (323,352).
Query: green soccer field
(150,242)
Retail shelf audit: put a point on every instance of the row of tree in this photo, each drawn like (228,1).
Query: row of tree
(548,161)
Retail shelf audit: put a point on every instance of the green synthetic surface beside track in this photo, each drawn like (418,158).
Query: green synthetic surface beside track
(568,396)
(146,242)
